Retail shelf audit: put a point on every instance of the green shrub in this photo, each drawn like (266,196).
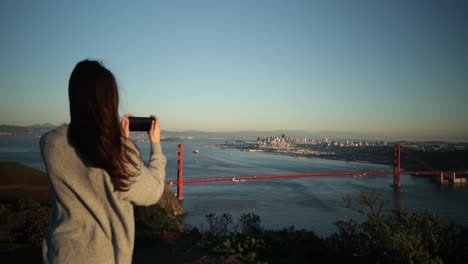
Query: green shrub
(28,222)
(157,217)
(250,224)
(292,246)
(383,236)
(5,213)
(218,226)
(399,237)
(219,238)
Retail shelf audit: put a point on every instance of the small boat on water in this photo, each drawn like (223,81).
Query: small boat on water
(196,151)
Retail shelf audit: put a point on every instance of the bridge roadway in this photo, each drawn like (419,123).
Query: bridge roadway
(307,175)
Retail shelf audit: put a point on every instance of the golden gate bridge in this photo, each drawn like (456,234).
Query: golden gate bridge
(397,172)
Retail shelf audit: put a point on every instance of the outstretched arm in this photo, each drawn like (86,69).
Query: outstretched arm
(148,181)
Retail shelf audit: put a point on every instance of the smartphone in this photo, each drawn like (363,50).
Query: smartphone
(140,123)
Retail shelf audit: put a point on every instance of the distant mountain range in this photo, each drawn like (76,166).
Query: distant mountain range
(39,129)
(25,131)
(262,133)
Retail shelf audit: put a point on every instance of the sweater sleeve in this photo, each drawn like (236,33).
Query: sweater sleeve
(147,184)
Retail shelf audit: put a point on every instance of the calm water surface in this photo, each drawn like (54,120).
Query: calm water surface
(312,203)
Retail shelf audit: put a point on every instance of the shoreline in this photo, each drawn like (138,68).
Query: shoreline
(411,159)
(293,154)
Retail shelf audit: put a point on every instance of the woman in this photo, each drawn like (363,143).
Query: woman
(96,174)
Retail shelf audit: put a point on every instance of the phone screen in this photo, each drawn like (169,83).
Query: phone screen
(140,123)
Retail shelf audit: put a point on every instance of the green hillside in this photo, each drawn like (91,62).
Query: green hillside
(16,173)
(18,181)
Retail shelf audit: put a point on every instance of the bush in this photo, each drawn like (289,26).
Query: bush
(219,226)
(399,237)
(293,246)
(250,224)
(5,213)
(384,236)
(27,222)
(157,217)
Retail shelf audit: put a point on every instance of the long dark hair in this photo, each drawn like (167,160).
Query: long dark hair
(94,129)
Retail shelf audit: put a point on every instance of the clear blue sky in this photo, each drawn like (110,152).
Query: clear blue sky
(395,68)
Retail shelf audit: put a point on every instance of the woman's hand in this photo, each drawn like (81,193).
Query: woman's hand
(125,124)
(155,130)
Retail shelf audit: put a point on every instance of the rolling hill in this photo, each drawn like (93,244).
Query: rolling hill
(18,181)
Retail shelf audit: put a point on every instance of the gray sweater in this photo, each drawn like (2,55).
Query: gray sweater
(90,222)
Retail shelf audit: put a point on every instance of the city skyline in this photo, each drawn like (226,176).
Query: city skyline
(389,68)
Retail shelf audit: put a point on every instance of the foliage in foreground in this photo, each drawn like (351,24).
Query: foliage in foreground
(25,220)
(158,218)
(383,237)
(397,236)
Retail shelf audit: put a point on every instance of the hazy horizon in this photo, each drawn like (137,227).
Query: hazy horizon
(389,68)
(332,134)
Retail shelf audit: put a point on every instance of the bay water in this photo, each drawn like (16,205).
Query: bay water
(310,203)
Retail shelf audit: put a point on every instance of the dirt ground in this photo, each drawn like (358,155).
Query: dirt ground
(140,256)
